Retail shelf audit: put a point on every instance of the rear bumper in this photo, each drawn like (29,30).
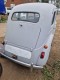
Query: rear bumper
(22,63)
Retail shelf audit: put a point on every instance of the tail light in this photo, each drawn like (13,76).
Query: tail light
(42,55)
(45,46)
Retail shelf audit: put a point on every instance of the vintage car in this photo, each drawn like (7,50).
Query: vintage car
(29,34)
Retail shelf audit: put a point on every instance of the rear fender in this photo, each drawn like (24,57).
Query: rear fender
(40,61)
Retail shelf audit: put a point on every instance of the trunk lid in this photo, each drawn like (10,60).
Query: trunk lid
(22,34)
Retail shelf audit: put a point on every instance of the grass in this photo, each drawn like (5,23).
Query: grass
(49,74)
(56,65)
(3,19)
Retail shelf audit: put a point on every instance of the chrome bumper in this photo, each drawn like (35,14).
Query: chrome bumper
(22,63)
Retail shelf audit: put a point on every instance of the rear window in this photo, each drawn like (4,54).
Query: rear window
(26,16)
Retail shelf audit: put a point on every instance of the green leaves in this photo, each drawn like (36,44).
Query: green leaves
(47,74)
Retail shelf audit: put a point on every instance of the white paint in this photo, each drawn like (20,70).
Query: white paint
(31,36)
(18,51)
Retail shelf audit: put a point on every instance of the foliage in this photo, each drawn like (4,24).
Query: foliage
(37,0)
(56,65)
(45,1)
(3,19)
(47,74)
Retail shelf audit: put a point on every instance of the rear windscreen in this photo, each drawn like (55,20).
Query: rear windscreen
(26,16)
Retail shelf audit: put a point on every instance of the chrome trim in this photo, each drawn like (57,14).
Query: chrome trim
(19,62)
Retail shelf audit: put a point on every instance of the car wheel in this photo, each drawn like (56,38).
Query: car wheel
(1,69)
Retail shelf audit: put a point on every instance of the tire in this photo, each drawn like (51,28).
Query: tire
(0,55)
(1,69)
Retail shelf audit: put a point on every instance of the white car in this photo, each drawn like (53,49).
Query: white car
(29,35)
(8,9)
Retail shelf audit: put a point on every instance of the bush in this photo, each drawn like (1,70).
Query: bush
(3,18)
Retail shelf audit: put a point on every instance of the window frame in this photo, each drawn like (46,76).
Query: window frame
(26,20)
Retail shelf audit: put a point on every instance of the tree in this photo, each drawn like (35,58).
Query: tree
(46,1)
(37,0)
(57,3)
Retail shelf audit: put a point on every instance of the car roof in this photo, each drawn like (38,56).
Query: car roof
(36,7)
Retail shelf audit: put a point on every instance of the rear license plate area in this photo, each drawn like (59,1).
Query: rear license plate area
(14,56)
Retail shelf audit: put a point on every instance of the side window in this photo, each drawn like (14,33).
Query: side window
(53,19)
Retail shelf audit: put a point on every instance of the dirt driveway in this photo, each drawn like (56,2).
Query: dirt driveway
(13,71)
